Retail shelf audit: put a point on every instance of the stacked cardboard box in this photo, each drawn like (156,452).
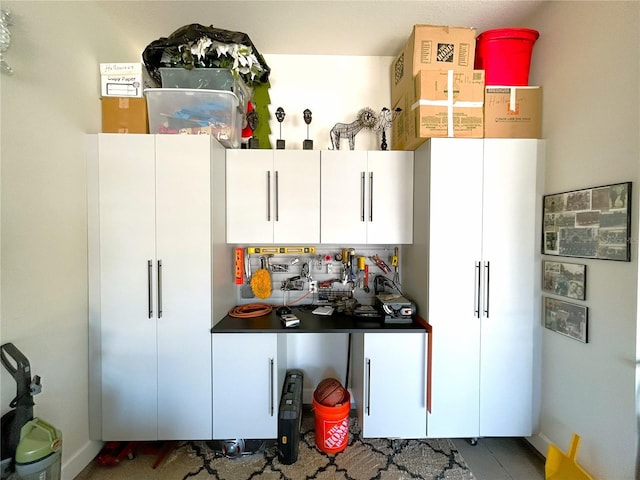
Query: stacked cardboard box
(433,71)
(124,108)
(513,112)
(434,83)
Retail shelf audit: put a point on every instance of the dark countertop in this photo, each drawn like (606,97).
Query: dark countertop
(311,323)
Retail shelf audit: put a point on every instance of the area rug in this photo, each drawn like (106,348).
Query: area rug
(362,459)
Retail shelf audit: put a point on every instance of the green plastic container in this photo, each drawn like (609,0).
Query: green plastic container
(39,451)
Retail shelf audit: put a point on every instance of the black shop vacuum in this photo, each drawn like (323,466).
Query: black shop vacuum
(31,447)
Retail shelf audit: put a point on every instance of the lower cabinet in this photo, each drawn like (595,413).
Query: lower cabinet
(249,371)
(389,383)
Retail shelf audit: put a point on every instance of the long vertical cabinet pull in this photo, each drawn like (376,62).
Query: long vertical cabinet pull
(362,196)
(487,273)
(268,196)
(371,196)
(368,403)
(159,288)
(476,291)
(277,204)
(271,388)
(149,286)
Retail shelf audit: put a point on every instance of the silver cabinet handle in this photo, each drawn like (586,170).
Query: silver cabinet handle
(271,388)
(362,196)
(371,196)
(487,274)
(268,196)
(149,291)
(277,192)
(159,288)
(368,402)
(476,292)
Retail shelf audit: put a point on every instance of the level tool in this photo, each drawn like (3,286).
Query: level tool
(280,250)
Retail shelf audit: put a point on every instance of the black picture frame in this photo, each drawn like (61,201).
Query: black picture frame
(564,279)
(565,318)
(588,223)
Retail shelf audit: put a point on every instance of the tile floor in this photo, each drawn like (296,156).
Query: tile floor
(502,459)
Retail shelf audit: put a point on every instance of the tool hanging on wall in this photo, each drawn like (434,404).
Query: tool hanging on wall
(281,250)
(394,263)
(380,263)
(239,265)
(261,280)
(246,291)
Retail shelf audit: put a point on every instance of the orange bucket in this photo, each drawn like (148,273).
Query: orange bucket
(332,425)
(505,55)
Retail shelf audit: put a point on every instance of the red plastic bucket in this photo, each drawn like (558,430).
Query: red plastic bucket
(332,425)
(505,55)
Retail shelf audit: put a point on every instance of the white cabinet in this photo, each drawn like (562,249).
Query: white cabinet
(273,196)
(367,197)
(477,285)
(150,285)
(389,382)
(249,374)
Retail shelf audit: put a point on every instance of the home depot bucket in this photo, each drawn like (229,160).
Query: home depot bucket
(332,425)
(505,55)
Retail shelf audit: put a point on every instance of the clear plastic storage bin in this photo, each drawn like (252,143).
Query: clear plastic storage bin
(208,79)
(196,111)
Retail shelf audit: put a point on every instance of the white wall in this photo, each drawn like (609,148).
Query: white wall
(590,121)
(587,60)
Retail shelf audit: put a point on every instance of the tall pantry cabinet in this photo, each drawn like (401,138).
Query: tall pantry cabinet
(477,285)
(156,278)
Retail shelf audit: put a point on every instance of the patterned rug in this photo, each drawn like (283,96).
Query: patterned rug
(362,459)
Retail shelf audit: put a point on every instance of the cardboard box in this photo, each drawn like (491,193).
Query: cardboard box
(442,103)
(124,115)
(513,112)
(399,125)
(122,79)
(432,47)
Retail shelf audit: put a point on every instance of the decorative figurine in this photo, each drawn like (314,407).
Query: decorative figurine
(366,119)
(280,116)
(385,119)
(307,144)
(252,120)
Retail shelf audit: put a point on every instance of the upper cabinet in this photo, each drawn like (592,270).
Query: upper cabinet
(273,196)
(309,196)
(367,197)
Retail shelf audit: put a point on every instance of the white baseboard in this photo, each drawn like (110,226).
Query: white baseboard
(540,442)
(71,467)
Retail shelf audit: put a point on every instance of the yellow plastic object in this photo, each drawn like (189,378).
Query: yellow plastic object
(280,250)
(561,466)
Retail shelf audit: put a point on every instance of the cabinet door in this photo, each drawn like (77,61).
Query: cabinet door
(296,196)
(127,305)
(343,190)
(246,385)
(183,219)
(394,397)
(509,251)
(249,196)
(389,384)
(455,229)
(390,197)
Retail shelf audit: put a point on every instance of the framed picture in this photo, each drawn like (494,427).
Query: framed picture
(590,223)
(565,279)
(565,318)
